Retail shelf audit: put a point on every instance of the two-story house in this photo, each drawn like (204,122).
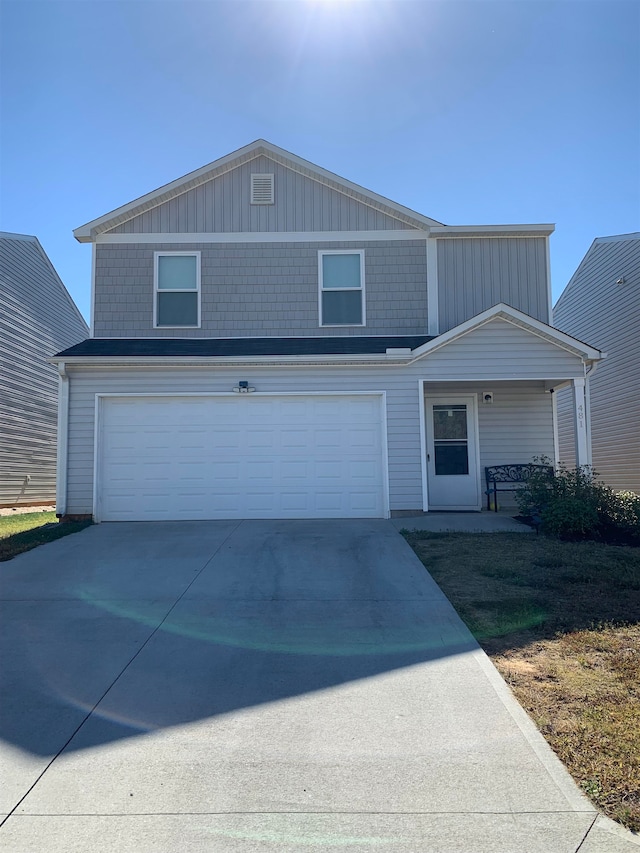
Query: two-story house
(269,340)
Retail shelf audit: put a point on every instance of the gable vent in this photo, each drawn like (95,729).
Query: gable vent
(261,189)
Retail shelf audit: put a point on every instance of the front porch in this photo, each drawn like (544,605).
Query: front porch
(468,426)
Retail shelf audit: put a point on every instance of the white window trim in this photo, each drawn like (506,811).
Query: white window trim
(321,254)
(156,290)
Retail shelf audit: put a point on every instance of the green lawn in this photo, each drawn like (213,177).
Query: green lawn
(561,622)
(22,532)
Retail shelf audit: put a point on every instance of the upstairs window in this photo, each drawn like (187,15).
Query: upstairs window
(341,276)
(177,289)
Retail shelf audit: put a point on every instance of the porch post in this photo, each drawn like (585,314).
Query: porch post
(583,456)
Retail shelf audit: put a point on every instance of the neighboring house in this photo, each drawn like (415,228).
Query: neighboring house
(601,303)
(37,318)
(271,340)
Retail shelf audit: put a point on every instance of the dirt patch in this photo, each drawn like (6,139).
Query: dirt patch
(21,510)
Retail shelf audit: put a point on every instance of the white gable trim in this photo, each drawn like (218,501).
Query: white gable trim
(260,147)
(263,237)
(511,315)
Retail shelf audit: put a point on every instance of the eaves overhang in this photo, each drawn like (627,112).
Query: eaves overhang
(385,360)
(442,232)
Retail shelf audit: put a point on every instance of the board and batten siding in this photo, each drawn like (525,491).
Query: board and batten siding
(37,319)
(486,362)
(262,289)
(223,205)
(594,308)
(477,273)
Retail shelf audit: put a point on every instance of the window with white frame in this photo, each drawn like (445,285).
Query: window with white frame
(341,280)
(177,289)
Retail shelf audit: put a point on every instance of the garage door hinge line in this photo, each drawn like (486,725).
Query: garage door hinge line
(121,673)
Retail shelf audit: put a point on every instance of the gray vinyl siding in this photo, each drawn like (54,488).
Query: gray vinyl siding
(452,368)
(476,273)
(606,315)
(223,205)
(37,319)
(261,289)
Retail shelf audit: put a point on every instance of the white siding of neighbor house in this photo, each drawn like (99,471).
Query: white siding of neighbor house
(476,273)
(255,290)
(223,205)
(517,427)
(595,309)
(37,319)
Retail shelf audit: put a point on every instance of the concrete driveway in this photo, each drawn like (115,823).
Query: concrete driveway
(262,686)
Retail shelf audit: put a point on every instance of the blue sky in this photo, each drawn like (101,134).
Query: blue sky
(471,112)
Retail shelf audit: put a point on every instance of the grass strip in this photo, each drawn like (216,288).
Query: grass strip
(19,533)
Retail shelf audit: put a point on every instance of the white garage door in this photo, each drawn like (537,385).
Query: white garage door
(248,456)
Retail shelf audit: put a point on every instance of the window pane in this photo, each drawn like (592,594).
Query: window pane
(340,271)
(342,308)
(177,309)
(449,422)
(452,458)
(177,272)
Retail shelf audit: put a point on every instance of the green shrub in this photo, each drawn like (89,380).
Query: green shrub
(574,503)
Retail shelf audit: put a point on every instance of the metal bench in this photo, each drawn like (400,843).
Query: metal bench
(509,478)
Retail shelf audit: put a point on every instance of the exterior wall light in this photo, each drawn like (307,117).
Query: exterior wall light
(243,388)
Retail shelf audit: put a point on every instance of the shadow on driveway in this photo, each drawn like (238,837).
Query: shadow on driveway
(146,626)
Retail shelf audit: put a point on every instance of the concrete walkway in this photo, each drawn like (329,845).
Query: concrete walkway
(462,522)
(262,686)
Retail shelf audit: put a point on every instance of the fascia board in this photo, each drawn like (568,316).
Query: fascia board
(229,361)
(85,233)
(536,230)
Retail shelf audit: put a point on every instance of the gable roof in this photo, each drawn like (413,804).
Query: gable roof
(505,312)
(86,233)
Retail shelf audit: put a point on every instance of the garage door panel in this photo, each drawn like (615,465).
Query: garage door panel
(248,457)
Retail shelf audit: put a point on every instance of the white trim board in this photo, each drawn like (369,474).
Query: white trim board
(433,297)
(264,237)
(490,231)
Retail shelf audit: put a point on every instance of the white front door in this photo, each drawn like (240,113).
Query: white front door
(452,453)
